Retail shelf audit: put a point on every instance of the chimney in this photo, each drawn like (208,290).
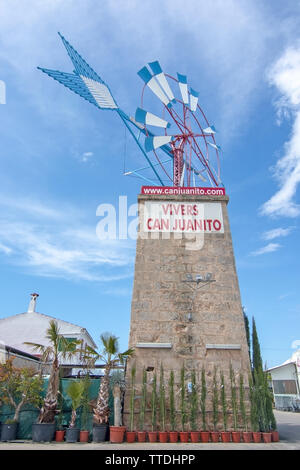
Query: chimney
(32,303)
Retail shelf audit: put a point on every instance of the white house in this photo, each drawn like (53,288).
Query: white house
(31,326)
(286,383)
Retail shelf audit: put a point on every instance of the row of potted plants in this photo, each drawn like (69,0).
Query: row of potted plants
(245,425)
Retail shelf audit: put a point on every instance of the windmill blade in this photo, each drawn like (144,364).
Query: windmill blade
(210,130)
(101,93)
(194,100)
(81,67)
(202,177)
(161,78)
(73,82)
(182,82)
(217,147)
(152,143)
(154,86)
(145,117)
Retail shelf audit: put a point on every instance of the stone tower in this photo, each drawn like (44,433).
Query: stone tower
(177,317)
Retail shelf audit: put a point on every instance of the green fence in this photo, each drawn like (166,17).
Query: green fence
(29,415)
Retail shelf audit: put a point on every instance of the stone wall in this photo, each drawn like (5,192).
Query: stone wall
(203,324)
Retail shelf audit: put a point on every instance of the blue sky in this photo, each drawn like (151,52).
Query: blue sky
(60,157)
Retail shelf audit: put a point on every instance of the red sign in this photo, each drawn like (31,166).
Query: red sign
(173,190)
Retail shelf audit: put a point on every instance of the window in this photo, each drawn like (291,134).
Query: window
(285,387)
(69,340)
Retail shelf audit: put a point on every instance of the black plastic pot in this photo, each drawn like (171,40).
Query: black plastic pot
(43,432)
(100,432)
(9,432)
(72,434)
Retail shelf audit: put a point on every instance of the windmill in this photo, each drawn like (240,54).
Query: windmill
(186,137)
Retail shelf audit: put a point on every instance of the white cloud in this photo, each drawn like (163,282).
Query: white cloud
(45,247)
(276,232)
(86,156)
(285,75)
(266,249)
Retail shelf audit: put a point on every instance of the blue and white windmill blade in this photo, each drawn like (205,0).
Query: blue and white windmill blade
(193,100)
(210,130)
(154,86)
(101,93)
(144,117)
(182,82)
(81,66)
(215,146)
(153,143)
(71,81)
(161,78)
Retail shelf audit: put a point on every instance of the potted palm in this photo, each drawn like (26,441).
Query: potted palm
(247,435)
(236,435)
(163,435)
(75,392)
(215,407)
(225,434)
(152,435)
(141,435)
(204,433)
(18,387)
(58,347)
(195,433)
(110,357)
(173,434)
(183,434)
(130,435)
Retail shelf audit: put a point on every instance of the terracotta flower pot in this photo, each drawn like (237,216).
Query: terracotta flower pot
(163,436)
(152,436)
(204,436)
(173,435)
(195,436)
(267,437)
(116,434)
(275,436)
(225,436)
(214,436)
(184,436)
(256,437)
(247,436)
(84,436)
(130,436)
(59,436)
(236,436)
(141,436)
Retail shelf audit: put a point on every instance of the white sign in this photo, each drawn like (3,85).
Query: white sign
(183,217)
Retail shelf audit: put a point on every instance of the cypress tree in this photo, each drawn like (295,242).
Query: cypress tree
(247,328)
(257,364)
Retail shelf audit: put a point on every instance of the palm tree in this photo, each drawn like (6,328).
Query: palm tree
(59,347)
(111,357)
(75,391)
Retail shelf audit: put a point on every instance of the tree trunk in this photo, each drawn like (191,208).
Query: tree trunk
(49,408)
(101,412)
(73,419)
(117,406)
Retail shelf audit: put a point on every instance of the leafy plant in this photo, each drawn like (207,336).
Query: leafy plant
(85,402)
(194,403)
(75,391)
(154,402)
(215,400)
(242,404)
(203,399)
(234,405)
(143,401)
(59,347)
(172,402)
(254,415)
(183,399)
(224,402)
(111,357)
(132,396)
(162,400)
(19,386)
